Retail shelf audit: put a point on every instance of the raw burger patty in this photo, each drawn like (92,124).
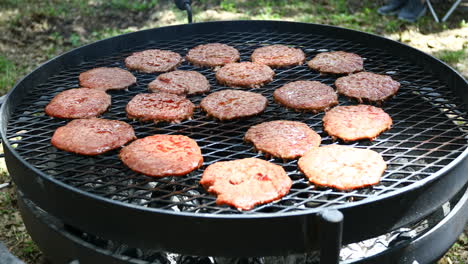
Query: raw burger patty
(367,86)
(213,54)
(306,95)
(162,155)
(245,183)
(233,104)
(356,122)
(278,56)
(159,107)
(282,138)
(180,82)
(153,60)
(107,78)
(92,136)
(245,74)
(342,168)
(336,62)
(78,103)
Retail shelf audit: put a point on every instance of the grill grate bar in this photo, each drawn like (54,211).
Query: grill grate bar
(429,131)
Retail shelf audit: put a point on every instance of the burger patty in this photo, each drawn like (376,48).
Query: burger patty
(153,60)
(212,54)
(78,103)
(106,78)
(245,74)
(342,167)
(92,136)
(233,104)
(159,107)
(180,82)
(282,138)
(306,95)
(246,182)
(367,86)
(337,62)
(356,122)
(278,56)
(162,155)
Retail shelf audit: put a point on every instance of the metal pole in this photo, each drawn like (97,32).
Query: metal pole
(449,13)
(436,18)
(331,231)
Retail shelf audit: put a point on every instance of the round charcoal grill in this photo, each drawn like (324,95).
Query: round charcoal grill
(425,149)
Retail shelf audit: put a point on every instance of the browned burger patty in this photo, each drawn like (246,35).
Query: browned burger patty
(153,60)
(180,82)
(278,56)
(78,103)
(367,86)
(159,107)
(212,54)
(162,155)
(245,183)
(233,104)
(337,62)
(282,138)
(341,167)
(245,74)
(105,78)
(92,136)
(306,95)
(356,122)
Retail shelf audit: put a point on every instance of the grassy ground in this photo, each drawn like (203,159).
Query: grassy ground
(35,31)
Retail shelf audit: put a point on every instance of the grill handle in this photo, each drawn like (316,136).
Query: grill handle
(185,5)
(2,99)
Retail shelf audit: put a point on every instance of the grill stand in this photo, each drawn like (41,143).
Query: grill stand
(331,233)
(62,244)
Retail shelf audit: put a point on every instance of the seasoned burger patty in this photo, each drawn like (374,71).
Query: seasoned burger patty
(153,60)
(341,167)
(278,56)
(306,95)
(105,78)
(180,82)
(245,74)
(162,155)
(282,138)
(92,136)
(212,54)
(159,107)
(337,62)
(233,104)
(245,183)
(367,86)
(356,122)
(78,103)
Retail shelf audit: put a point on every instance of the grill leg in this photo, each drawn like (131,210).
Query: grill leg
(331,230)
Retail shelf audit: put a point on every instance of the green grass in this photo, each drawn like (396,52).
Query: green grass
(8,74)
(130,5)
(452,57)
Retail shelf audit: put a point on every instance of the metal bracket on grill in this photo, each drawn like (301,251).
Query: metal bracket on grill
(185,5)
(331,232)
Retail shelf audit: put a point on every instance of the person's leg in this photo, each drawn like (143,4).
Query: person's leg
(392,7)
(413,10)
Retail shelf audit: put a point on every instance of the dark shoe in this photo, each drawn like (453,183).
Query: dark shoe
(413,10)
(391,8)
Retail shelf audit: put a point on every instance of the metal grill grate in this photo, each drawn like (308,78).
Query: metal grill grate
(429,129)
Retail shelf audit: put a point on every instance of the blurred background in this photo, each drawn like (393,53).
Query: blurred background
(33,32)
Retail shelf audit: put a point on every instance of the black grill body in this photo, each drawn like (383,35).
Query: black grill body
(425,150)
(50,233)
